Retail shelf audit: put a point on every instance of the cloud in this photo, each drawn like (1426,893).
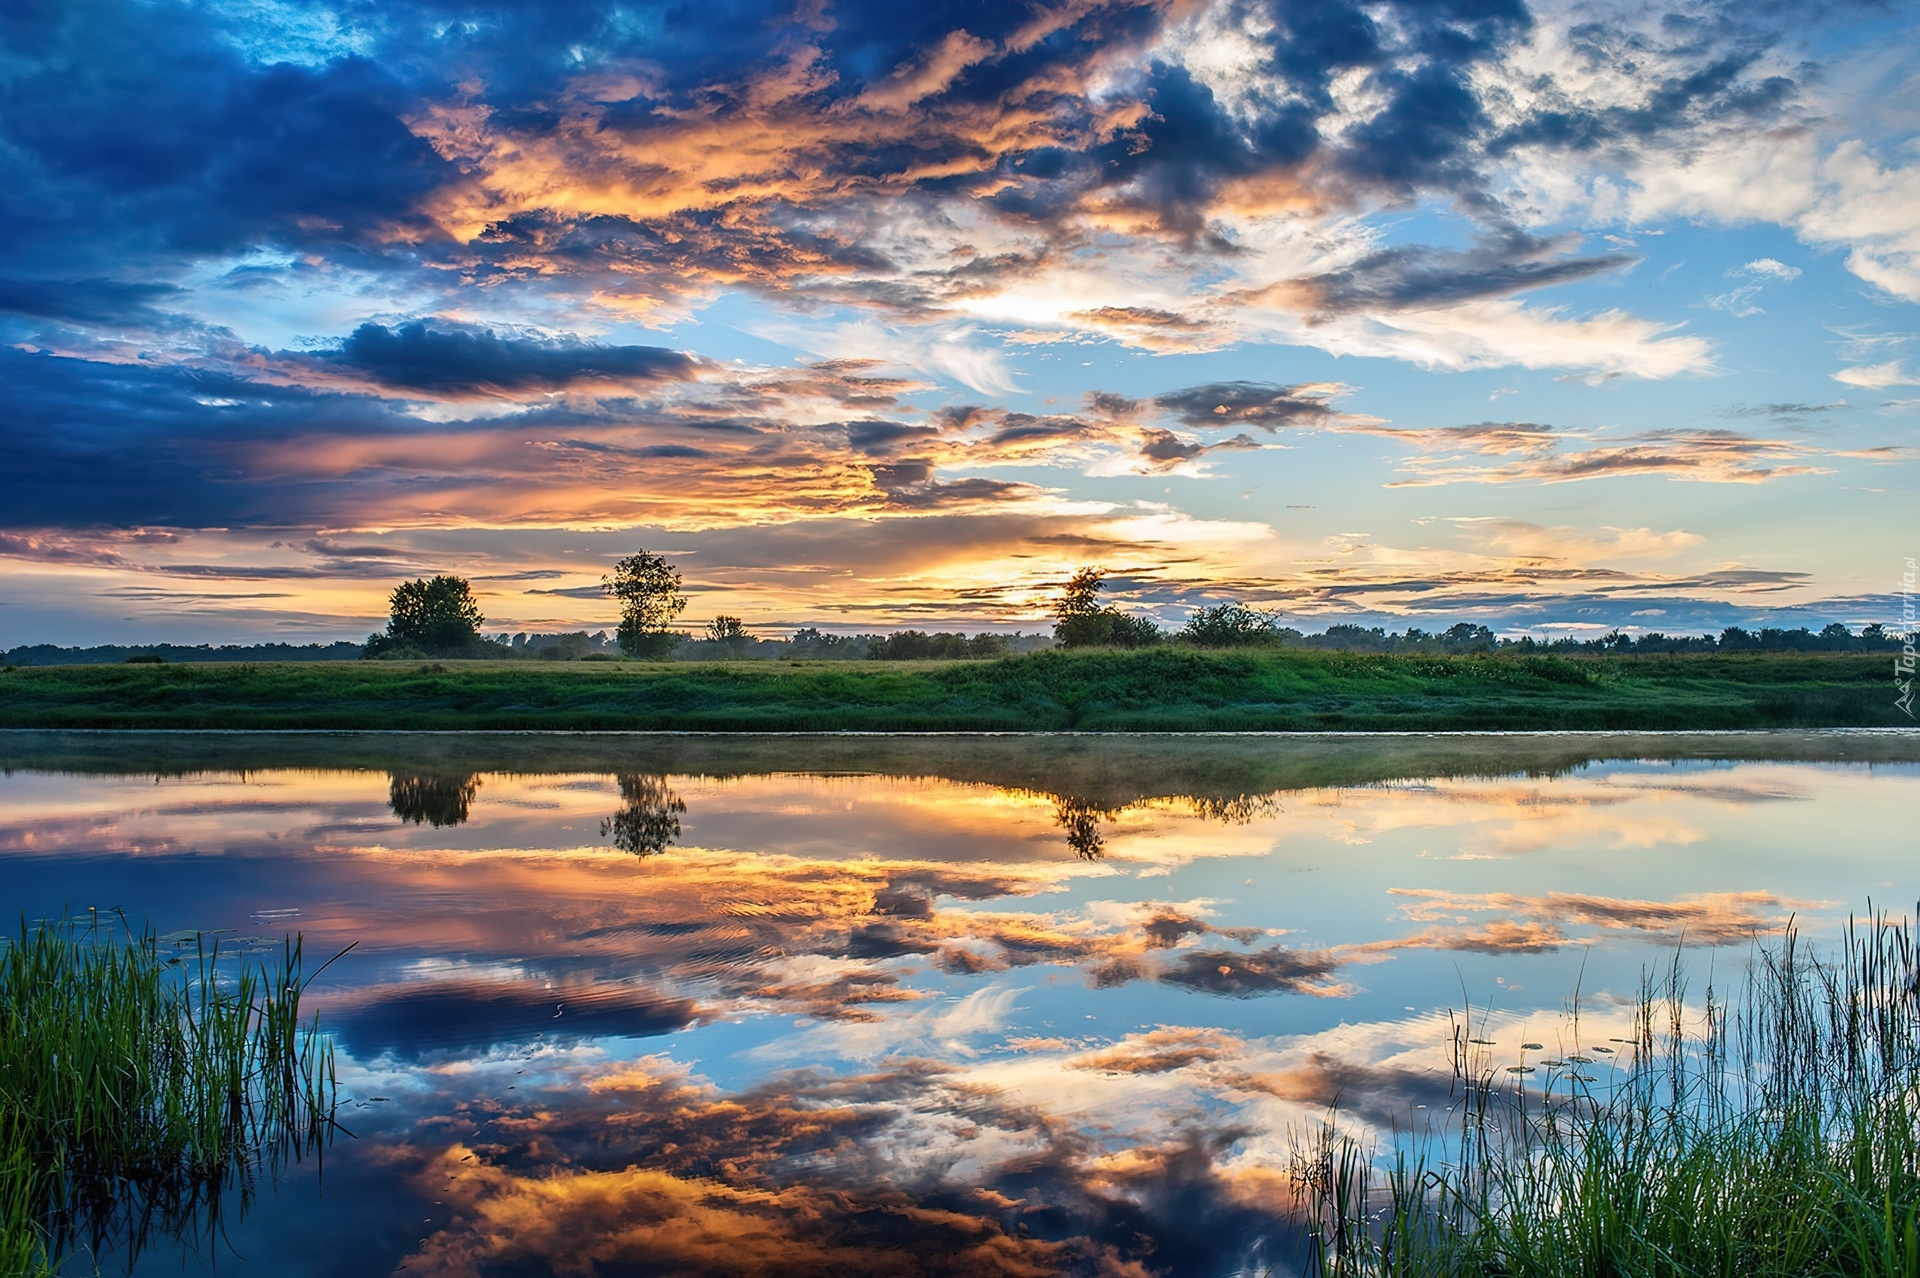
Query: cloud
(1877,376)
(1770,268)
(1715,918)
(457,364)
(1267,406)
(1699,455)
(1421,277)
(1582,546)
(912,1169)
(462,1016)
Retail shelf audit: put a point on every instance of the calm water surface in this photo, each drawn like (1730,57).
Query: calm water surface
(919,1005)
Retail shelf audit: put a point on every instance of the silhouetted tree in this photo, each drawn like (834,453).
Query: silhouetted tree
(730,631)
(648,588)
(433,799)
(437,618)
(649,815)
(1082,623)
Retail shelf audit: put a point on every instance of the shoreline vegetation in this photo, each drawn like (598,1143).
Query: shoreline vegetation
(1160,688)
(146,1085)
(1774,1133)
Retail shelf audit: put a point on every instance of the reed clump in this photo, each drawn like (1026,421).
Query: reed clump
(139,1089)
(1772,1134)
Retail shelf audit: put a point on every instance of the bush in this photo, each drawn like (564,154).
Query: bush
(141,659)
(1230,625)
(1106,628)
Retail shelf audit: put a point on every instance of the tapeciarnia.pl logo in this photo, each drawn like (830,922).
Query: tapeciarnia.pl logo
(1903,664)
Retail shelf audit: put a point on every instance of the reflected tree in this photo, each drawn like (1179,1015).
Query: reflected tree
(1081,820)
(649,815)
(435,799)
(1242,809)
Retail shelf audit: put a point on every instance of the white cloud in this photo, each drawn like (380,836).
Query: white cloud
(1768,266)
(1877,376)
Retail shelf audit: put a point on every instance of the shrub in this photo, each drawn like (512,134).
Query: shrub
(1230,625)
(1106,628)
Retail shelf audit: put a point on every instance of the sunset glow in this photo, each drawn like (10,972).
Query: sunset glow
(1554,317)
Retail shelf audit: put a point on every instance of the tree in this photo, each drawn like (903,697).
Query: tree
(648,588)
(430,618)
(431,798)
(731,631)
(1081,595)
(1083,623)
(649,816)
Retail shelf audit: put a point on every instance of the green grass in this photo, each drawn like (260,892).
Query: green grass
(1776,1136)
(140,1088)
(1165,689)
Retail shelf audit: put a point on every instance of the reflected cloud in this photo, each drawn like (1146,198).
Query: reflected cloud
(911,1170)
(1713,918)
(439,1016)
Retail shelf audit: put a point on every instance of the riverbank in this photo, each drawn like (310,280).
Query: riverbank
(1155,690)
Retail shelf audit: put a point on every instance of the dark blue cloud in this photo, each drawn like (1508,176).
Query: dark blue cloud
(1259,404)
(452,362)
(1418,275)
(138,132)
(106,303)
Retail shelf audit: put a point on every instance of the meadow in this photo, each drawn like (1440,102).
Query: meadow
(1165,689)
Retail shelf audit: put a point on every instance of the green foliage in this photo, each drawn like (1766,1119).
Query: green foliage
(1082,623)
(1779,1139)
(139,1087)
(144,659)
(1106,628)
(917,645)
(650,596)
(437,618)
(1230,625)
(1166,688)
(1080,597)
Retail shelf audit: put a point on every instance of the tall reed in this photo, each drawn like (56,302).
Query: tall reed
(139,1089)
(1774,1134)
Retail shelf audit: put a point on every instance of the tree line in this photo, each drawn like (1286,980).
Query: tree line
(439,617)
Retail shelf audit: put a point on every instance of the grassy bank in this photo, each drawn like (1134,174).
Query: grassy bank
(1773,1135)
(141,1087)
(1157,690)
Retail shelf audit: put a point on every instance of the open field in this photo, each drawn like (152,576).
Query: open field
(1155,690)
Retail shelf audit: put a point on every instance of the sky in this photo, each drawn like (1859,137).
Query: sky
(1553,317)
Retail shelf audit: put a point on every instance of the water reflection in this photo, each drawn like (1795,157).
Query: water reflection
(649,816)
(677,1007)
(1081,820)
(434,798)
